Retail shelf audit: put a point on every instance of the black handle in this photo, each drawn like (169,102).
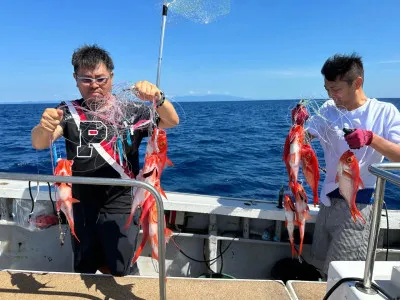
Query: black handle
(347,131)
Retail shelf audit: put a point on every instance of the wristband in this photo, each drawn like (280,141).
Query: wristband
(160,102)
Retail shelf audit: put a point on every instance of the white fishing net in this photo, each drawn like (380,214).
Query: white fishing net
(200,11)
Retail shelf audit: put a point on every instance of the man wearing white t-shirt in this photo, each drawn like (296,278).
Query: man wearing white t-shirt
(374,128)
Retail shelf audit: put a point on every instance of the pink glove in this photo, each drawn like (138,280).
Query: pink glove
(299,115)
(357,138)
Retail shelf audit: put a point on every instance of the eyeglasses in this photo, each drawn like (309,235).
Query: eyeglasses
(88,80)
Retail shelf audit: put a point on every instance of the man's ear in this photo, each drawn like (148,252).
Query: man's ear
(358,83)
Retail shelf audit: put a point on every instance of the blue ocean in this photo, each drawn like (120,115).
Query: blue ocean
(227,148)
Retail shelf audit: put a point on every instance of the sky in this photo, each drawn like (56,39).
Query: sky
(256,49)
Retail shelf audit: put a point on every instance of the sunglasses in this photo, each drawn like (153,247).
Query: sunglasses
(88,80)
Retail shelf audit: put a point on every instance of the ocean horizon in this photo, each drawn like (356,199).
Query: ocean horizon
(228,149)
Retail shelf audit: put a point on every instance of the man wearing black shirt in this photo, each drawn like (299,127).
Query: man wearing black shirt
(88,126)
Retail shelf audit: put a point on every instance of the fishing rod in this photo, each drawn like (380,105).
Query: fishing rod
(164,20)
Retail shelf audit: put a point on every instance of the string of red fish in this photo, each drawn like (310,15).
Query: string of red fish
(298,154)
(155,161)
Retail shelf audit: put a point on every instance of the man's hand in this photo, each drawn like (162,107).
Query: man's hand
(147,91)
(51,119)
(357,138)
(299,115)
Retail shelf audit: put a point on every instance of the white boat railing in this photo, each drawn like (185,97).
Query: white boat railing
(115,182)
(380,170)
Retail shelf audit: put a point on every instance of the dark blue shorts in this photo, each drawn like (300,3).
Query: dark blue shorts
(364,196)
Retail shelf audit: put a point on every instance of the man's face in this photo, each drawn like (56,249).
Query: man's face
(340,91)
(94,89)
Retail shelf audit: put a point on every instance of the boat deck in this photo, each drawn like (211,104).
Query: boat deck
(29,285)
(306,290)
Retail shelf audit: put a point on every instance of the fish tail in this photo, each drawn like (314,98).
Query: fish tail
(294,252)
(72,227)
(139,250)
(154,246)
(168,233)
(316,201)
(356,213)
(74,234)
(301,240)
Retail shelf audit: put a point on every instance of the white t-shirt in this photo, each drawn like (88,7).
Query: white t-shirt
(382,118)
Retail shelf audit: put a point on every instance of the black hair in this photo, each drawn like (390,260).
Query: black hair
(90,56)
(343,67)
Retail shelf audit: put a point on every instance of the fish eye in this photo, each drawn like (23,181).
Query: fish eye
(349,159)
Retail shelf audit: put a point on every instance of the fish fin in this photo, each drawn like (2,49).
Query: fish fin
(168,233)
(294,252)
(296,222)
(169,162)
(286,148)
(162,192)
(356,213)
(361,185)
(73,200)
(286,222)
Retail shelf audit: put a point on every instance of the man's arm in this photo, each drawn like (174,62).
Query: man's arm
(147,91)
(387,148)
(168,116)
(41,137)
(48,129)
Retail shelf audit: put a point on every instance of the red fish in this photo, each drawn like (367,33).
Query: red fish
(64,193)
(154,163)
(291,154)
(310,168)
(290,217)
(44,221)
(153,231)
(302,210)
(144,223)
(348,177)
